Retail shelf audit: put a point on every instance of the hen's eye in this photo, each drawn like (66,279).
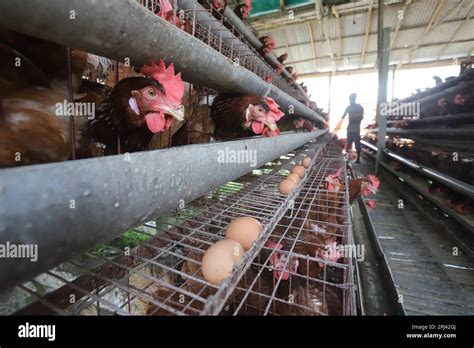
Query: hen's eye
(151,92)
(260,109)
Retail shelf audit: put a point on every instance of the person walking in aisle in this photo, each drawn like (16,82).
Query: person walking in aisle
(356,114)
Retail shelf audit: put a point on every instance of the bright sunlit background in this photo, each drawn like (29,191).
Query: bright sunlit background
(365,85)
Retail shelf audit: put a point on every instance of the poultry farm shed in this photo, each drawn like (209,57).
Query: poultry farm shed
(135,133)
(170,218)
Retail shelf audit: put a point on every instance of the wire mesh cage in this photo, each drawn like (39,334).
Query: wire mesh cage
(155,269)
(234,46)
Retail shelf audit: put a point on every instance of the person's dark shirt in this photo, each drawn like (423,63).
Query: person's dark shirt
(356,114)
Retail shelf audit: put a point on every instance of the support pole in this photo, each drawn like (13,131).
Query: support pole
(329,94)
(384,52)
(394,69)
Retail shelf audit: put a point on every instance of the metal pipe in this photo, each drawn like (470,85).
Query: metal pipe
(441,205)
(453,144)
(456,185)
(402,160)
(271,58)
(66,208)
(444,93)
(440,88)
(440,119)
(369,145)
(429,131)
(434,131)
(125,29)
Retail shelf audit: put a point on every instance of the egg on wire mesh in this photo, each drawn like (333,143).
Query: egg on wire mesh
(287,186)
(244,230)
(294,177)
(219,260)
(306,162)
(298,170)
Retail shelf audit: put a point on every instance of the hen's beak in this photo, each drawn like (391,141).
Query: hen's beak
(372,189)
(133,101)
(177,113)
(272,125)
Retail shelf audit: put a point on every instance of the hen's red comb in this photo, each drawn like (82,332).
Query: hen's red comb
(458,99)
(166,6)
(336,175)
(249,5)
(268,78)
(374,181)
(299,122)
(173,84)
(274,112)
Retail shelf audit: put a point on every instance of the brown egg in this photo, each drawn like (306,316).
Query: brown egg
(298,170)
(294,177)
(244,230)
(219,259)
(286,186)
(306,162)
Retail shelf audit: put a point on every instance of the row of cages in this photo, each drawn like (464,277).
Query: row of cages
(434,128)
(156,269)
(107,73)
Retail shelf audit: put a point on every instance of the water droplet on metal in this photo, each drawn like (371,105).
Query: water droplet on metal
(86,193)
(117,204)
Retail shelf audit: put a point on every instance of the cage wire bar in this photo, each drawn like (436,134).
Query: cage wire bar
(223,35)
(161,276)
(333,286)
(271,58)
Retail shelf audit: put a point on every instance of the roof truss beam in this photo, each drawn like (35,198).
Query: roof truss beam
(313,44)
(322,24)
(400,21)
(459,26)
(428,29)
(367,31)
(355,55)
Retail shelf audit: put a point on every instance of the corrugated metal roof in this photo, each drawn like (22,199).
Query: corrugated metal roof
(465,32)
(449,27)
(419,13)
